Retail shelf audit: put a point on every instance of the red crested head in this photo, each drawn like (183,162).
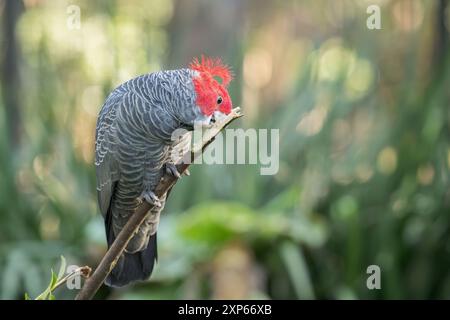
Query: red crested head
(212,95)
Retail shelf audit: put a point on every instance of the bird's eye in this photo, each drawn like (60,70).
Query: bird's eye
(219,100)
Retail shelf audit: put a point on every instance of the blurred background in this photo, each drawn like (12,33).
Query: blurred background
(364,146)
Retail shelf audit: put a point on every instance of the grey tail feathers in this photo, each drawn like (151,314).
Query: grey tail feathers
(131,267)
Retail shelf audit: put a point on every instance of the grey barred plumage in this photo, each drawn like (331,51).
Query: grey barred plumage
(133,146)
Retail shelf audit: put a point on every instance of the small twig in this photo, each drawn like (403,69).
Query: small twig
(111,257)
(85,272)
(58,280)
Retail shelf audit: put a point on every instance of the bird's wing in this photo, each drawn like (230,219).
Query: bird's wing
(105,160)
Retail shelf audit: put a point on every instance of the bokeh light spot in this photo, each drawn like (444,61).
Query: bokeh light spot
(387,161)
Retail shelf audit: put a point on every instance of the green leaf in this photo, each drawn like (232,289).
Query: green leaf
(297,270)
(53,281)
(46,294)
(216,223)
(26,296)
(62,268)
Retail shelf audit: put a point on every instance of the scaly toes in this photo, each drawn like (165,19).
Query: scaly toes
(172,169)
(152,198)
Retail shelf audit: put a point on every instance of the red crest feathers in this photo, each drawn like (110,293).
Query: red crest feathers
(208,89)
(214,67)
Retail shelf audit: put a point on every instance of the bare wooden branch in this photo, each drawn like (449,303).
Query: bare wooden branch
(111,257)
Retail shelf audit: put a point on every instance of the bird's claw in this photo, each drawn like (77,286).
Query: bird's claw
(172,170)
(151,198)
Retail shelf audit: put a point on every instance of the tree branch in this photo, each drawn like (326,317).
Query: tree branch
(111,257)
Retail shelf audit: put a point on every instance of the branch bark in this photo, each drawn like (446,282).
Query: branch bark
(111,257)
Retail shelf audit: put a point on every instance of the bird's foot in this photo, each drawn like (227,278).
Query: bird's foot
(151,198)
(172,170)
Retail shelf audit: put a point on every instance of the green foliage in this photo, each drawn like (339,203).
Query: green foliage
(55,281)
(364,150)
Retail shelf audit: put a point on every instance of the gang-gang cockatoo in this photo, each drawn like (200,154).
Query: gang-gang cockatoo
(133,147)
